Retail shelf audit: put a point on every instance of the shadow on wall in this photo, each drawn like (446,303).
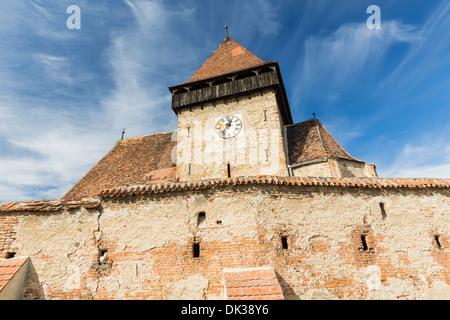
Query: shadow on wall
(288,293)
(33,288)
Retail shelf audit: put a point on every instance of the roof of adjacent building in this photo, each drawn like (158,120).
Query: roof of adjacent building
(310,140)
(229,57)
(259,283)
(8,269)
(139,160)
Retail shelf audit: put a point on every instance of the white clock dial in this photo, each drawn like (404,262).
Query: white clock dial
(228,127)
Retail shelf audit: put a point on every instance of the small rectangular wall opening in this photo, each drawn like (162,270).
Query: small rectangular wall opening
(383,211)
(284,242)
(438,241)
(364,242)
(228,170)
(102,256)
(196,250)
(201,217)
(10,255)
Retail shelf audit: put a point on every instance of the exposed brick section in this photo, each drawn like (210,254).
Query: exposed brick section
(380,183)
(309,140)
(252,284)
(8,234)
(364,242)
(229,57)
(131,161)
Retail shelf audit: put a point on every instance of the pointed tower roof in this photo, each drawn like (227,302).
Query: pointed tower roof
(310,140)
(229,57)
(231,70)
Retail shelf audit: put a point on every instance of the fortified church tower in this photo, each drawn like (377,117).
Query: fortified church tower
(234,120)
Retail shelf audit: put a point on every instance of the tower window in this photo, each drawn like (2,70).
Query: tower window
(228,170)
(284,242)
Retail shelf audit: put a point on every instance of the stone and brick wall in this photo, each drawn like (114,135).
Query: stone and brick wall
(8,235)
(339,243)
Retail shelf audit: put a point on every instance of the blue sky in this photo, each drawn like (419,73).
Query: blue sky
(66,95)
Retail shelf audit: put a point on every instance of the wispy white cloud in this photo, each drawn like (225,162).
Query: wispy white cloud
(424,58)
(335,63)
(428,156)
(55,67)
(47,149)
(140,58)
(49,136)
(61,126)
(262,15)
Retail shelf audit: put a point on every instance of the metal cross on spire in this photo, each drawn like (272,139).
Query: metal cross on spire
(226,29)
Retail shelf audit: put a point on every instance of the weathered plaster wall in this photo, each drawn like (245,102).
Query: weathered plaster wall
(319,169)
(352,168)
(149,243)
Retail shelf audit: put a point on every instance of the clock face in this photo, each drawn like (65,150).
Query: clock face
(228,127)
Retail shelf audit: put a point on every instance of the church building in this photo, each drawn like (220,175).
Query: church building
(239,202)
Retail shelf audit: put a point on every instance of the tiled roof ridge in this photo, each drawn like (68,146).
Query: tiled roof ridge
(49,205)
(318,125)
(73,192)
(145,135)
(334,139)
(277,180)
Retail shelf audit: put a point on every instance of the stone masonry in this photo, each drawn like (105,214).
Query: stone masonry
(340,243)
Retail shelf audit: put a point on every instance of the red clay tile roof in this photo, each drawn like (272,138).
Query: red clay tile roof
(229,57)
(47,205)
(379,183)
(252,284)
(138,160)
(274,180)
(8,268)
(309,140)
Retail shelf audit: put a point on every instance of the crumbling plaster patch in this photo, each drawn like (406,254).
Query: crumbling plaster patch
(192,288)
(55,241)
